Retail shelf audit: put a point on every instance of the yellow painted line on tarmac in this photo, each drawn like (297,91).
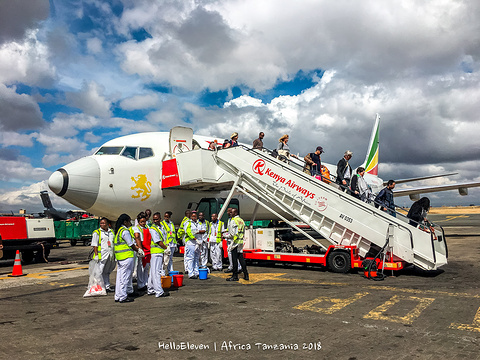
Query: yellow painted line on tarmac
(56,283)
(337,304)
(276,277)
(474,326)
(312,282)
(452,217)
(39,275)
(424,292)
(379,312)
(254,278)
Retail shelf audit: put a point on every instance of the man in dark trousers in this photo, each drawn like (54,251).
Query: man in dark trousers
(344,170)
(236,232)
(384,199)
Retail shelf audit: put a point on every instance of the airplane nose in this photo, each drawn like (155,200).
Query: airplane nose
(77,182)
(56,182)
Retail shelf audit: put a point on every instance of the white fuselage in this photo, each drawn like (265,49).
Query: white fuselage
(112,184)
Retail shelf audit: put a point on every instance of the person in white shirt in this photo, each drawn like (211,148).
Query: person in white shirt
(236,232)
(157,249)
(215,242)
(143,240)
(229,241)
(205,225)
(125,250)
(193,242)
(170,240)
(102,243)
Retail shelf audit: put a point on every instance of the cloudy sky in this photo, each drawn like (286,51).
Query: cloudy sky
(74,74)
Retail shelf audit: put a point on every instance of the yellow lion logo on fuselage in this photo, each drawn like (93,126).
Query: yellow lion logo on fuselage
(142,187)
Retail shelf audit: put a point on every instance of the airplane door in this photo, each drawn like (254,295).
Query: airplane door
(181,140)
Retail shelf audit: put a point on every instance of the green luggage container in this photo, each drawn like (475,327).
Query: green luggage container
(60,230)
(259,223)
(69,229)
(76,230)
(86,228)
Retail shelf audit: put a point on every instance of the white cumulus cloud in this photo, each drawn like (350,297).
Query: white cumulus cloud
(90,100)
(27,62)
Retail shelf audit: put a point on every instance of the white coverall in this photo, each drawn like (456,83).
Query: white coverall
(107,262)
(142,272)
(156,266)
(215,248)
(172,246)
(229,238)
(192,248)
(204,246)
(124,271)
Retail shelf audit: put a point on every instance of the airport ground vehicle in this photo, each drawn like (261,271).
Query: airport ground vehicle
(76,230)
(273,241)
(34,237)
(354,231)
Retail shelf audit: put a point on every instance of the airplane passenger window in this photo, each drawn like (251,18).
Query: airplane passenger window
(109,150)
(130,152)
(145,152)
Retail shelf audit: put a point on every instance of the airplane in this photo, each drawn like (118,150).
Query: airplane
(50,211)
(125,174)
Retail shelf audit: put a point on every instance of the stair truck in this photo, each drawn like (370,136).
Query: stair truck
(355,231)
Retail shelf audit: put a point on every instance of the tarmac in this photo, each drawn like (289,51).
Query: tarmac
(283,312)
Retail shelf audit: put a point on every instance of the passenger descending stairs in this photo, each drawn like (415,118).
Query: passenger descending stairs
(337,216)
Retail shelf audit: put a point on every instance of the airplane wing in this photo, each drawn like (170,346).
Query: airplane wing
(415,192)
(400,181)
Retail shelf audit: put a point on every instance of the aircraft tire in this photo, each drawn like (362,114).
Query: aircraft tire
(27,256)
(339,262)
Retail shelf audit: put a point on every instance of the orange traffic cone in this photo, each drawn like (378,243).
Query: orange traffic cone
(17,266)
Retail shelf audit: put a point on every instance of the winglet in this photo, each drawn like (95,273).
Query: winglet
(371,160)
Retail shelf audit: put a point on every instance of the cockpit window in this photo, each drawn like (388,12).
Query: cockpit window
(130,152)
(145,152)
(109,150)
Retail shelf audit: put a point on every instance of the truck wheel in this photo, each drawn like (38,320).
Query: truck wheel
(27,256)
(339,262)
(73,242)
(87,242)
(41,257)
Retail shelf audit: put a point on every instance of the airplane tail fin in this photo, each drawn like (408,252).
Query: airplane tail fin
(371,160)
(46,199)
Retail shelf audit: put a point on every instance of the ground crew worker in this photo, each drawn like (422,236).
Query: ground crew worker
(215,242)
(229,241)
(102,242)
(143,239)
(157,249)
(124,248)
(204,225)
(171,239)
(148,214)
(236,231)
(193,233)
(181,235)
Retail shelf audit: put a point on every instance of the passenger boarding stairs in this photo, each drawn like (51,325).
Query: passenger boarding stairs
(337,216)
